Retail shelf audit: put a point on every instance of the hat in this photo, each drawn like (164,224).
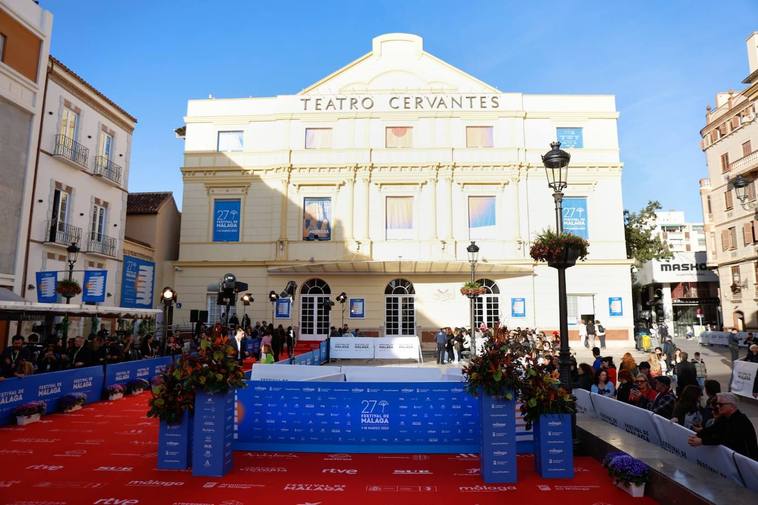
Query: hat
(664,380)
(643,364)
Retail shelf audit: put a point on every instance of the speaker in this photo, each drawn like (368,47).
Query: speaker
(203,316)
(194,314)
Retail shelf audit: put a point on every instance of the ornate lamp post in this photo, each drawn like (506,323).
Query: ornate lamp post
(473,257)
(742,188)
(168,298)
(556,168)
(72,256)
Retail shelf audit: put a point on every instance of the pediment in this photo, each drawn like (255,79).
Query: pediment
(398,63)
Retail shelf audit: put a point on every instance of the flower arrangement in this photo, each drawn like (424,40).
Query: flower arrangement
(542,393)
(552,247)
(68,289)
(472,289)
(114,390)
(215,369)
(72,401)
(137,386)
(625,469)
(29,409)
(498,370)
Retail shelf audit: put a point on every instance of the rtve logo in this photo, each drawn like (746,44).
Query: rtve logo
(340,471)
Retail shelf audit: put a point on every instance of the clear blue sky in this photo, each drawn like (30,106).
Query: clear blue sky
(664,61)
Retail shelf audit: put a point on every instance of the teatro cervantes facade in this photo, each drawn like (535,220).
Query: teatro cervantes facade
(374,180)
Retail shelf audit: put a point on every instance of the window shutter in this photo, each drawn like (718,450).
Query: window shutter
(724,240)
(728,204)
(747,233)
(751,191)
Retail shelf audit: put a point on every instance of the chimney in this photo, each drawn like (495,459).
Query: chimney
(752,52)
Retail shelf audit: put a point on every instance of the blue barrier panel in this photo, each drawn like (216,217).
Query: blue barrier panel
(213,430)
(324,348)
(498,450)
(49,387)
(124,373)
(554,451)
(431,417)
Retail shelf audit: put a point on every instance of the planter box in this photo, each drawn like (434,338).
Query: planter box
(497,456)
(73,409)
(636,490)
(175,444)
(116,396)
(24,420)
(554,446)
(213,429)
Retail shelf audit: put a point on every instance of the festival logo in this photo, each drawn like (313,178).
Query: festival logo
(485,488)
(375,414)
(114,469)
(264,469)
(116,501)
(315,487)
(154,483)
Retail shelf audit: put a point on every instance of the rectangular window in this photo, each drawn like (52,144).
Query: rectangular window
(318,138)
(105,146)
(69,125)
(226,220)
(708,204)
(725,162)
(575,216)
(229,141)
(749,232)
(317,219)
(747,148)
(216,311)
(398,136)
(732,238)
(481,216)
(97,225)
(755,271)
(399,217)
(728,202)
(479,136)
(736,278)
(735,122)
(580,307)
(570,138)
(2,47)
(750,191)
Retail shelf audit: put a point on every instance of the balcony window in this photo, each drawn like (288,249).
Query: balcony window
(708,204)
(97,226)
(728,201)
(318,138)
(69,125)
(105,145)
(230,141)
(399,137)
(479,136)
(746,148)
(317,218)
(399,217)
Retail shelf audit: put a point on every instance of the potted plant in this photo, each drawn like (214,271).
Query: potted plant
(114,392)
(547,406)
(628,473)
(72,402)
(68,288)
(29,412)
(137,386)
(559,250)
(472,288)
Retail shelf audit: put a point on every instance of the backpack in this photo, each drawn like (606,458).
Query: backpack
(600,328)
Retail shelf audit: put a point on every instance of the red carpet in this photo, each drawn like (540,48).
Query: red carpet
(105,454)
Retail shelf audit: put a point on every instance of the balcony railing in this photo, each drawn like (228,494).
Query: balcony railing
(58,232)
(71,150)
(745,163)
(101,244)
(108,169)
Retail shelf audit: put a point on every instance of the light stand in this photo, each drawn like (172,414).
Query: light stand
(273,297)
(168,298)
(473,257)
(342,298)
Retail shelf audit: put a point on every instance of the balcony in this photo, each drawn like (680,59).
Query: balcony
(101,244)
(58,232)
(744,164)
(71,151)
(106,168)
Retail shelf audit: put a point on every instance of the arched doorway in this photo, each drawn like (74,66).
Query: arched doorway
(739,320)
(399,309)
(314,319)
(487,306)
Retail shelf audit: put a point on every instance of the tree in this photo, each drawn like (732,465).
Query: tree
(641,243)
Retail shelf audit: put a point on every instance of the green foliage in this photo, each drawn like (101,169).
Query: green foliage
(550,246)
(641,243)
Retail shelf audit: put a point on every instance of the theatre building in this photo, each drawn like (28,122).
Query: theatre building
(375,180)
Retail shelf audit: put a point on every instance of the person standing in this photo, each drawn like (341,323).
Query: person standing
(14,358)
(686,374)
(700,371)
(239,342)
(441,339)
(583,333)
(290,341)
(734,344)
(600,329)
(664,402)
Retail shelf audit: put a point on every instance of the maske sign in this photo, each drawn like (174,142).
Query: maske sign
(683,267)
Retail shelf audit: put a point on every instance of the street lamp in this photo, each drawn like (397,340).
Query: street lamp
(473,257)
(168,298)
(272,297)
(556,168)
(342,298)
(73,255)
(742,188)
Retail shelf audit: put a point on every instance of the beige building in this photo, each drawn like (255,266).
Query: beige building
(152,234)
(373,182)
(730,143)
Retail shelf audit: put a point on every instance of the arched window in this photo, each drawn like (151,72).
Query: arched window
(399,308)
(314,317)
(487,306)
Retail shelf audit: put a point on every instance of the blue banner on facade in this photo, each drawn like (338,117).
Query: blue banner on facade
(124,373)
(137,283)
(49,387)
(570,138)
(575,216)
(47,283)
(357,308)
(283,306)
(93,290)
(518,307)
(615,306)
(226,221)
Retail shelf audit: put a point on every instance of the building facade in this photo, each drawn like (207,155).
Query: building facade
(80,193)
(374,180)
(25,31)
(730,143)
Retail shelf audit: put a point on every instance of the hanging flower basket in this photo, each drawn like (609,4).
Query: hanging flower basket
(559,250)
(472,289)
(68,289)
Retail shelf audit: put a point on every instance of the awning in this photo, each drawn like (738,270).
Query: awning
(25,310)
(403,267)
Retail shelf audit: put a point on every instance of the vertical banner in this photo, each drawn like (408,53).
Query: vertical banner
(47,282)
(93,290)
(226,220)
(317,217)
(570,138)
(498,432)
(575,215)
(283,306)
(212,435)
(745,379)
(357,308)
(554,446)
(137,283)
(518,307)
(615,306)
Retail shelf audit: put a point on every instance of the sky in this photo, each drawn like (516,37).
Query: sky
(664,62)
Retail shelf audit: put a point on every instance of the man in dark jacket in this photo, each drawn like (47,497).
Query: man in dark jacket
(732,429)
(686,374)
(663,405)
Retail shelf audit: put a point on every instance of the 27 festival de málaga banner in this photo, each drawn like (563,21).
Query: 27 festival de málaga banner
(137,283)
